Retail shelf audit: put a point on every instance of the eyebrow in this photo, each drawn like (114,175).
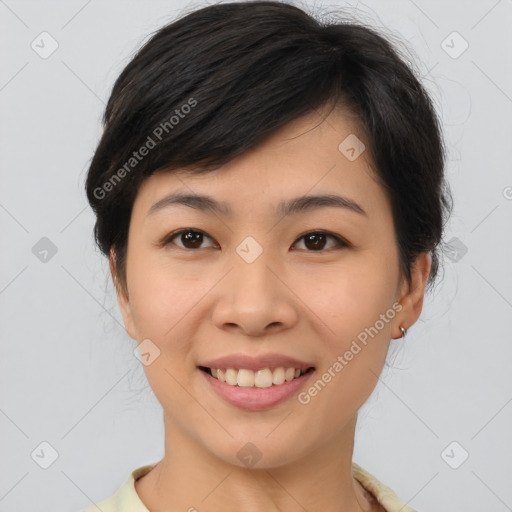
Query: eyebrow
(284,208)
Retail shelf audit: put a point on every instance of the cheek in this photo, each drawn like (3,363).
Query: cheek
(160,297)
(162,304)
(358,312)
(353,298)
(358,308)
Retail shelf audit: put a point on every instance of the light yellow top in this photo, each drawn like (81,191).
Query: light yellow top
(126,498)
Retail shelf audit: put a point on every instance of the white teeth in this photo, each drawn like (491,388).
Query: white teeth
(289,374)
(278,376)
(231,377)
(245,378)
(263,378)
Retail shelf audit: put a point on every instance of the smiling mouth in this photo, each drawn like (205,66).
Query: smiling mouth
(264,378)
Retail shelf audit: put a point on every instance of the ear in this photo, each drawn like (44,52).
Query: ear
(122,297)
(412,294)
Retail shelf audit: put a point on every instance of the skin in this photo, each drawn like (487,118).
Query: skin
(201,303)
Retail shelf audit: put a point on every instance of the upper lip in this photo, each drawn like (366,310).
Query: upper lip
(271,361)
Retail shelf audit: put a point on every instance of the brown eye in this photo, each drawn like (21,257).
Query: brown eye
(193,239)
(316,241)
(190,238)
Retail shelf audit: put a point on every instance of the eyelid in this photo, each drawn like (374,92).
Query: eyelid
(342,242)
(168,238)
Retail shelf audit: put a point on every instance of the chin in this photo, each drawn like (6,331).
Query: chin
(257,452)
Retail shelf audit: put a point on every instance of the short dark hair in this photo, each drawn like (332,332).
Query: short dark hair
(220,80)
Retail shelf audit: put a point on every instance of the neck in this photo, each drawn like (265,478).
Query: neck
(191,478)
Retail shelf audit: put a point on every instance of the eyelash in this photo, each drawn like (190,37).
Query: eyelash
(342,243)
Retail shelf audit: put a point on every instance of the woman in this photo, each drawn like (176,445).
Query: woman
(269,190)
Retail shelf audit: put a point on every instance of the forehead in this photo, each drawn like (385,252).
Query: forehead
(312,155)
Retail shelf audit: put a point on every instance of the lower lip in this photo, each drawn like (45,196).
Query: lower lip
(256,399)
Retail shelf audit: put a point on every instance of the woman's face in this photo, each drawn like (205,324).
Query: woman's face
(252,283)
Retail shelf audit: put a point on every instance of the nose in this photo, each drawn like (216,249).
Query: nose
(254,299)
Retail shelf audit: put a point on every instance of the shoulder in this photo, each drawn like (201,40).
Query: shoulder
(384,495)
(126,497)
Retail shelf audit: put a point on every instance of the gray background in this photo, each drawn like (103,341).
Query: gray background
(68,376)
